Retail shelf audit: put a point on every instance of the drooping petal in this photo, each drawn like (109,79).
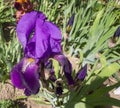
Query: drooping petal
(82,73)
(32,78)
(17,77)
(25,76)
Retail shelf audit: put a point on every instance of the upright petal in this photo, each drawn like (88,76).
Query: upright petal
(55,37)
(42,48)
(54,31)
(25,27)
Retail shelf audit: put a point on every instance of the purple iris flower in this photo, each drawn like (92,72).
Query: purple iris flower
(82,73)
(46,38)
(41,40)
(25,76)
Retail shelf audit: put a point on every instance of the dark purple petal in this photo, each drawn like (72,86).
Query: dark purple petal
(17,76)
(117,32)
(70,23)
(116,35)
(27,92)
(82,73)
(25,76)
(71,20)
(67,68)
(32,78)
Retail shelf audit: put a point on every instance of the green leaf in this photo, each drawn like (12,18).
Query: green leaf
(103,91)
(102,76)
(82,105)
(56,67)
(109,70)
(103,60)
(103,100)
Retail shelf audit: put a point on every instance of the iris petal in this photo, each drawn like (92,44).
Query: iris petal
(46,39)
(54,31)
(82,73)
(25,27)
(116,35)
(67,68)
(117,32)
(32,78)
(25,76)
(70,23)
(17,77)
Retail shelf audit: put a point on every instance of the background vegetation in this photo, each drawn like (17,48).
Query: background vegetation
(91,40)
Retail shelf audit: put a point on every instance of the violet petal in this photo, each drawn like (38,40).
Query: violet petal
(82,73)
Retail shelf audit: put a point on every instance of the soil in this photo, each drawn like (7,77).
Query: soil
(8,92)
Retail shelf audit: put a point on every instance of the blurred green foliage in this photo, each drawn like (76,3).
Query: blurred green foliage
(7,104)
(10,50)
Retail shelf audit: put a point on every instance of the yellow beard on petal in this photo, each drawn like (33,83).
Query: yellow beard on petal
(27,62)
(31,60)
